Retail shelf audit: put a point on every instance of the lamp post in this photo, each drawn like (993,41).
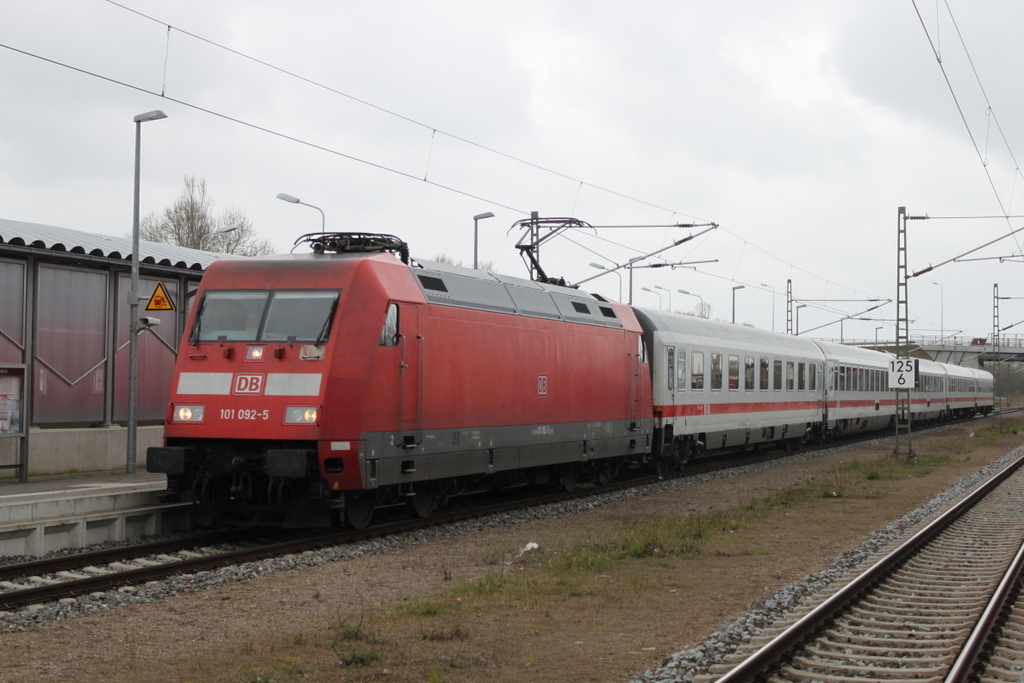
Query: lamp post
(799,306)
(773,303)
(648,289)
(476,222)
(942,311)
(876,336)
(683,291)
(613,272)
(133,301)
(295,200)
(669,296)
(734,301)
(222,231)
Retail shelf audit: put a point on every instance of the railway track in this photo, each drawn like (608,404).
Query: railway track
(930,609)
(70,576)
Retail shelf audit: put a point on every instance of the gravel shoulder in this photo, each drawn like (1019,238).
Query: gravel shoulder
(474,604)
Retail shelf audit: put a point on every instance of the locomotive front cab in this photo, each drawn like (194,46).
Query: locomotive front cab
(243,424)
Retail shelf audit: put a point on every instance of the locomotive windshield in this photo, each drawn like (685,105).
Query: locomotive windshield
(267,316)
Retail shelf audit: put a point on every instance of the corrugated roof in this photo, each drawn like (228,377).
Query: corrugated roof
(53,238)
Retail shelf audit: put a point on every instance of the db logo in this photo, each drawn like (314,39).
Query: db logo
(248,384)
(542,385)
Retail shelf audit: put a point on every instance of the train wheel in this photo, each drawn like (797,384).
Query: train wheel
(358,510)
(424,502)
(604,474)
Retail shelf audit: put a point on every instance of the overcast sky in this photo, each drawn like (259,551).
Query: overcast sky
(798,127)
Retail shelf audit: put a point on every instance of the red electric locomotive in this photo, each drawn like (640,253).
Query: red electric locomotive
(310,389)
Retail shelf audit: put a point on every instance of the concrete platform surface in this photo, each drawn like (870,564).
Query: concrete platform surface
(54,512)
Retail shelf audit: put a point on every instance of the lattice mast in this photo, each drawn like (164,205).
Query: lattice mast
(904,447)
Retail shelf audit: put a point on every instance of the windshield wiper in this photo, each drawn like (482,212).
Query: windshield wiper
(327,324)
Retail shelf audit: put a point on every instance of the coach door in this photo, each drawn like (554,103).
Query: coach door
(633,362)
(410,396)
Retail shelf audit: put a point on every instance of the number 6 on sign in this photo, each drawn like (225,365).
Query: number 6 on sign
(902,373)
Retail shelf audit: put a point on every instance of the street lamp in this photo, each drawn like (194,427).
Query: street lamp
(295,200)
(613,272)
(476,221)
(942,311)
(799,306)
(133,301)
(648,289)
(734,300)
(669,296)
(773,303)
(683,291)
(202,240)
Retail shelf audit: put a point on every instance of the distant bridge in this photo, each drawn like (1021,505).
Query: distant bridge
(970,352)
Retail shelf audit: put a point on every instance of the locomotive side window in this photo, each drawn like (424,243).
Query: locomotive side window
(748,374)
(734,373)
(680,369)
(670,366)
(789,375)
(778,375)
(716,371)
(389,335)
(764,374)
(697,370)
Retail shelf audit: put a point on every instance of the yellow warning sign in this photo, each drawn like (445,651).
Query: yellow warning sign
(160,301)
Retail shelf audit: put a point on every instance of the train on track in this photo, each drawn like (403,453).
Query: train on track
(311,389)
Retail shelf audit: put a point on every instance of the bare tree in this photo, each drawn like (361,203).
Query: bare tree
(702,310)
(445,258)
(190,222)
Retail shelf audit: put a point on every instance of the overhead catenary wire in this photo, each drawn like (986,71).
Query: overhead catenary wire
(438,131)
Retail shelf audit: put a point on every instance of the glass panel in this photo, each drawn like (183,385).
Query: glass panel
(734,372)
(778,375)
(389,334)
(233,315)
(697,371)
(748,374)
(789,375)
(681,369)
(716,371)
(670,354)
(306,316)
(764,374)
(801,377)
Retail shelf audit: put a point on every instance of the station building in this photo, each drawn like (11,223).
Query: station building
(64,345)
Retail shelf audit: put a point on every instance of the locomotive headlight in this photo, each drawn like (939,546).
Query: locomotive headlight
(188,413)
(254,353)
(305,415)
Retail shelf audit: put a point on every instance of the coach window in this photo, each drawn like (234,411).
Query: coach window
(734,373)
(801,377)
(697,371)
(764,374)
(813,383)
(777,383)
(389,335)
(789,375)
(680,369)
(671,366)
(716,371)
(748,374)
(841,384)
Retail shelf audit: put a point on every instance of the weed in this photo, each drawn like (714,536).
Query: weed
(357,657)
(434,675)
(440,635)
